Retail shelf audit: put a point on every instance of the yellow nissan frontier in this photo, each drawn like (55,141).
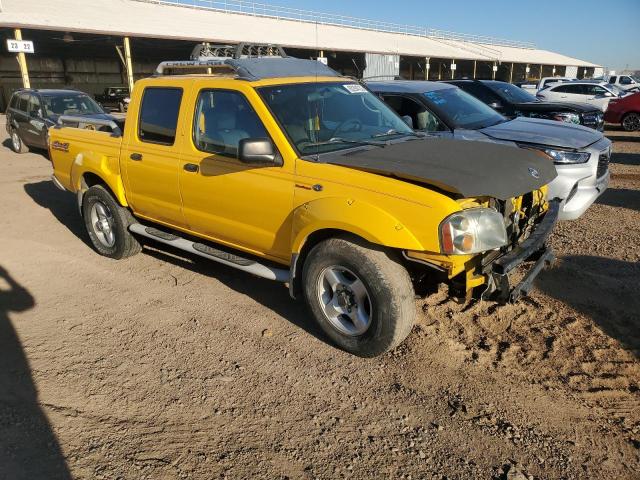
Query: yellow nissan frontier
(282,168)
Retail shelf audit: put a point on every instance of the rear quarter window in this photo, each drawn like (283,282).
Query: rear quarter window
(159,115)
(14,101)
(22,103)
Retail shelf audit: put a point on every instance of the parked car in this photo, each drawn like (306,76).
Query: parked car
(513,102)
(32,112)
(114,98)
(625,111)
(629,83)
(597,94)
(292,172)
(581,155)
(543,83)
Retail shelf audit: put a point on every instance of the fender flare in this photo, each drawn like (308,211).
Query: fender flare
(105,168)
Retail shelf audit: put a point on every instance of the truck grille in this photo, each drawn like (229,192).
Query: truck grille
(593,120)
(603,163)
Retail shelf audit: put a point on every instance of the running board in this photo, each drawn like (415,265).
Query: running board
(211,253)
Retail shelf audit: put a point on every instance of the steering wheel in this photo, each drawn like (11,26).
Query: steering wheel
(357,126)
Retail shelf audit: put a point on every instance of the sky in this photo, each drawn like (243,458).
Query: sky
(605,32)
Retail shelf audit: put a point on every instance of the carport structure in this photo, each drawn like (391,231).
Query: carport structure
(90,44)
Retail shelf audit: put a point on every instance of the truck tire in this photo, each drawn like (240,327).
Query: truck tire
(631,122)
(108,224)
(17,145)
(361,297)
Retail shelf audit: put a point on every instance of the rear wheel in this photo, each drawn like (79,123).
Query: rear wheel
(361,297)
(17,145)
(108,223)
(631,122)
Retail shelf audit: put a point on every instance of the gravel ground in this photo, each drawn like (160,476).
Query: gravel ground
(165,366)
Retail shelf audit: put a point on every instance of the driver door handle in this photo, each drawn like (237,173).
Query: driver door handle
(136,156)
(191,167)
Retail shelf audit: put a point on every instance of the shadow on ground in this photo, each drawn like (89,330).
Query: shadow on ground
(39,151)
(621,197)
(28,447)
(626,158)
(603,289)
(273,295)
(63,205)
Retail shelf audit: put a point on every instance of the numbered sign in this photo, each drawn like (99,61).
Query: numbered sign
(20,46)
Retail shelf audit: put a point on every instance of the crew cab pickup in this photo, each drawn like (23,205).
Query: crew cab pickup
(282,168)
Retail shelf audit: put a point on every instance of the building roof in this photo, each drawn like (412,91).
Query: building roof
(162,19)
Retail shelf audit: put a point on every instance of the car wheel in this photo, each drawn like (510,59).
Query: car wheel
(631,122)
(17,145)
(360,296)
(107,224)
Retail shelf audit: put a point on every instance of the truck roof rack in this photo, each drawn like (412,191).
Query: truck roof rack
(247,61)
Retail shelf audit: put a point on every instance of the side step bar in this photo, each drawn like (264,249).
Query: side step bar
(211,253)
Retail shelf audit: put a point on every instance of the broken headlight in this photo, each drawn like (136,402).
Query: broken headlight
(472,231)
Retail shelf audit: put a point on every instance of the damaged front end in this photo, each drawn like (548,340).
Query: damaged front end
(491,275)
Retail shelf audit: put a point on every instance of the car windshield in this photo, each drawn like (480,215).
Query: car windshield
(70,104)
(326,117)
(511,93)
(462,110)
(617,90)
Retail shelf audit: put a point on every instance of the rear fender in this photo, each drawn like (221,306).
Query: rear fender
(106,168)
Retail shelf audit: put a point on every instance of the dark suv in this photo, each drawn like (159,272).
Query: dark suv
(32,112)
(512,101)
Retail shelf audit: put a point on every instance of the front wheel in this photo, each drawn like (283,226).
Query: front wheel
(360,296)
(107,224)
(17,145)
(631,122)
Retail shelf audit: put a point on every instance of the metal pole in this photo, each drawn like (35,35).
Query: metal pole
(493,71)
(453,72)
(474,68)
(22,62)
(540,71)
(511,74)
(127,58)
(427,67)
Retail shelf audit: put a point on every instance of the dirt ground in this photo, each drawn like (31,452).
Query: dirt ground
(165,366)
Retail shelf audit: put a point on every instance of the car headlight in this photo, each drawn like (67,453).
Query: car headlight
(563,157)
(567,117)
(472,231)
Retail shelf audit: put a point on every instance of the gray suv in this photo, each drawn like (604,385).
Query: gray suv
(32,112)
(581,155)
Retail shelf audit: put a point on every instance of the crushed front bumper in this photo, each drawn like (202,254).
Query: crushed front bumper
(534,247)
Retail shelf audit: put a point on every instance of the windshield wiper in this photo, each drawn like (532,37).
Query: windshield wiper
(395,132)
(345,140)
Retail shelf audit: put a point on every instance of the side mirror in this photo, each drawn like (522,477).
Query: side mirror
(408,120)
(257,151)
(607,94)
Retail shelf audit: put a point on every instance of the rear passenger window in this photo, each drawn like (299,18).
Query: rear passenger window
(159,115)
(22,103)
(613,79)
(575,89)
(222,119)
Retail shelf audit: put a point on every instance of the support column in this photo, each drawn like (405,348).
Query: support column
(22,62)
(127,59)
(427,67)
(493,71)
(453,69)
(540,72)
(511,74)
(475,62)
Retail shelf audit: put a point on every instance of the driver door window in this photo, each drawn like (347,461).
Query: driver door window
(423,119)
(222,119)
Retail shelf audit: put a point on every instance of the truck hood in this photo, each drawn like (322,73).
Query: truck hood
(544,132)
(545,106)
(466,168)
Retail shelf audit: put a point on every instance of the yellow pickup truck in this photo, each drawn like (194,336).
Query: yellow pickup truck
(282,168)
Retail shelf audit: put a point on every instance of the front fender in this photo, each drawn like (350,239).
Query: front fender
(105,167)
(360,218)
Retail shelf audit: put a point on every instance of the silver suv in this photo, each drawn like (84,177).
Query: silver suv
(581,155)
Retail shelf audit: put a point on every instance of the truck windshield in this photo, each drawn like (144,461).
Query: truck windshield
(326,117)
(70,104)
(510,92)
(461,110)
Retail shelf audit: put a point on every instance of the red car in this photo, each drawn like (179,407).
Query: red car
(625,111)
